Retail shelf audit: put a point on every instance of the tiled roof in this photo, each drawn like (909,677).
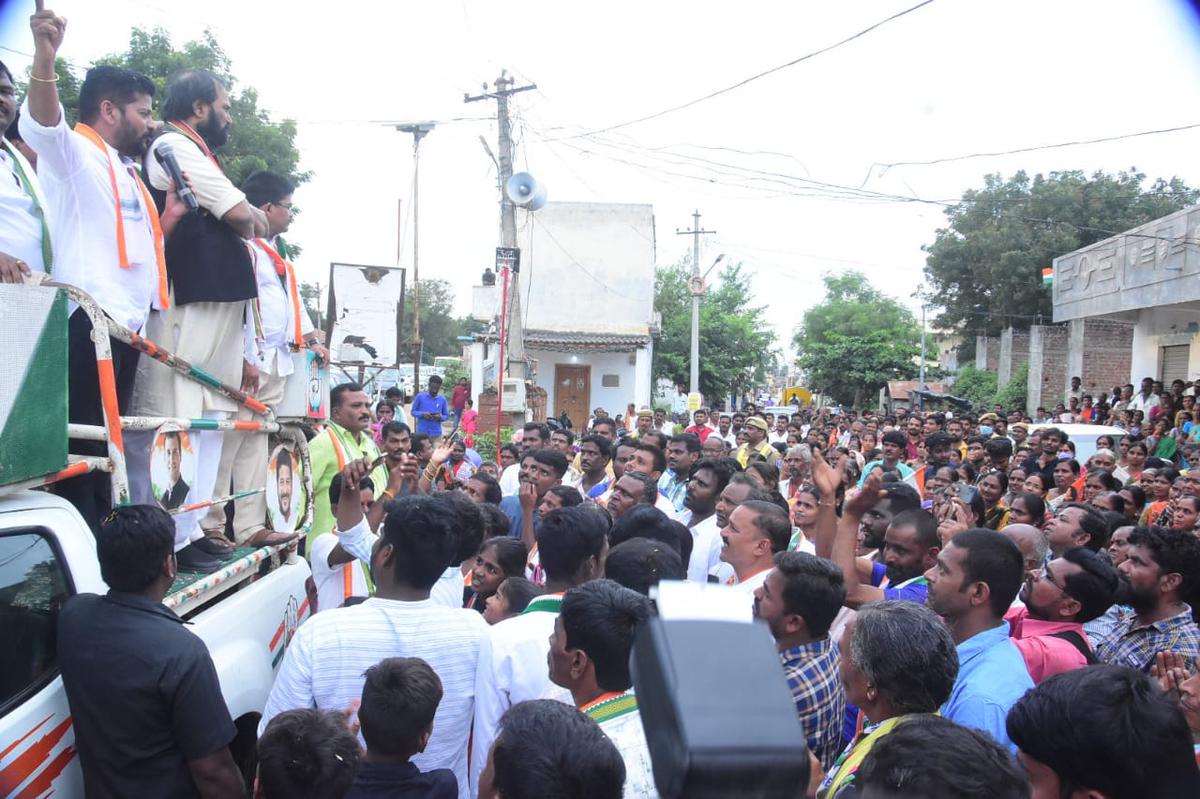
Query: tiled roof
(899,389)
(569,341)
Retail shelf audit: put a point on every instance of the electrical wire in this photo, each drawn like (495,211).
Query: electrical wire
(739,84)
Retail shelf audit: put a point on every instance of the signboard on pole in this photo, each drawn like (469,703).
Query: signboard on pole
(508,258)
(695,401)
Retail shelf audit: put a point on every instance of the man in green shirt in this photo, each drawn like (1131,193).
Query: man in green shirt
(345,438)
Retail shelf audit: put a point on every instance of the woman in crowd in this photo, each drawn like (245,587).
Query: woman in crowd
(1016,484)
(510,600)
(992,488)
(498,559)
(938,482)
(1027,508)
(1037,483)
(385,412)
(896,662)
(1162,441)
(1097,482)
(1065,472)
(804,518)
(1135,501)
(1185,514)
(1156,482)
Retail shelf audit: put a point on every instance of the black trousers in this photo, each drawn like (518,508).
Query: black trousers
(91,494)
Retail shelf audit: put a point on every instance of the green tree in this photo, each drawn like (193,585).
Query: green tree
(736,343)
(255,142)
(856,340)
(310,295)
(984,268)
(977,385)
(440,329)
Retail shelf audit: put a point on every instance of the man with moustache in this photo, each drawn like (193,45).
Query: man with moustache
(707,480)
(108,236)
(213,287)
(25,245)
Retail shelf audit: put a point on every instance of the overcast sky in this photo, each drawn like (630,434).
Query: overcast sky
(952,78)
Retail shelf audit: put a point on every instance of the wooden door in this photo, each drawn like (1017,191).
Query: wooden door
(573,392)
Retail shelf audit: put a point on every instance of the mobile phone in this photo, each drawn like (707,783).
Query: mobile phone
(967,492)
(375,463)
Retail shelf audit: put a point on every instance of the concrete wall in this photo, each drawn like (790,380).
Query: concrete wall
(590,269)
(633,378)
(1047,363)
(1014,353)
(987,353)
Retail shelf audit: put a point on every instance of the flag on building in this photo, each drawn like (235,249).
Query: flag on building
(1048,275)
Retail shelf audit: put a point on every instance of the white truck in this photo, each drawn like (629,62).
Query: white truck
(245,612)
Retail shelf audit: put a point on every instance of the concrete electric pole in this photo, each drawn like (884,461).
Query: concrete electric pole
(419,130)
(696,287)
(508,218)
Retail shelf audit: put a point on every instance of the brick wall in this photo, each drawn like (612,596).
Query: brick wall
(1107,354)
(1014,353)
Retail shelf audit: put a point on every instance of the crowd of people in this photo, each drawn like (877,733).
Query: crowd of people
(960,606)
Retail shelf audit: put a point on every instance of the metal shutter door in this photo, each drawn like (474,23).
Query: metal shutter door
(1175,363)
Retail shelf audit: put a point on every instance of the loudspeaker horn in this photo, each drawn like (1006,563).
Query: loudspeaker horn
(524,190)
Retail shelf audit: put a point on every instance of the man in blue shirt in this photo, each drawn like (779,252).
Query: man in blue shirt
(971,587)
(430,409)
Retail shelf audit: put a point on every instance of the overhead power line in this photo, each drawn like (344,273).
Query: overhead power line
(1035,148)
(755,77)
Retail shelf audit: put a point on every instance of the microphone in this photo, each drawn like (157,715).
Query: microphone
(166,159)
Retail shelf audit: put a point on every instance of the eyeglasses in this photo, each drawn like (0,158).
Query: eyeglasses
(1044,574)
(291,209)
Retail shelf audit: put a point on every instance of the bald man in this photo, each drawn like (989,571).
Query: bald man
(1032,543)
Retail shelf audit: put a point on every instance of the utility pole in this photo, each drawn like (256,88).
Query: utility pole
(508,219)
(418,130)
(696,286)
(922,386)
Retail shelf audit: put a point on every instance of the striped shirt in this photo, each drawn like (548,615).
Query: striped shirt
(619,719)
(324,666)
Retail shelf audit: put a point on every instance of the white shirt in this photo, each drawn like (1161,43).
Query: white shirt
(448,590)
(514,671)
(20,225)
(706,546)
(629,737)
(74,176)
(331,580)
(665,505)
(278,319)
(215,192)
(325,662)
(510,480)
(1144,404)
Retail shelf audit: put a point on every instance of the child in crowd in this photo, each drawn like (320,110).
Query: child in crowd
(399,700)
(307,753)
(510,599)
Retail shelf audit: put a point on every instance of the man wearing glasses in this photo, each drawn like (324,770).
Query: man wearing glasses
(1059,599)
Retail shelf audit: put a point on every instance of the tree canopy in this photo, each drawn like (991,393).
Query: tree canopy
(984,269)
(440,329)
(255,141)
(736,343)
(856,340)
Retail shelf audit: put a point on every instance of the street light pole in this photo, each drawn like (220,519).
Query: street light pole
(696,287)
(418,130)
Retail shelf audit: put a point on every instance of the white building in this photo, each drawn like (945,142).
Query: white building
(587,300)
(1150,276)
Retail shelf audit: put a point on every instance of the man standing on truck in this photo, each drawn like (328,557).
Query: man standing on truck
(24,226)
(284,328)
(149,716)
(108,237)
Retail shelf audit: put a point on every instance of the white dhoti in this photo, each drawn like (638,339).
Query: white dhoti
(243,464)
(210,336)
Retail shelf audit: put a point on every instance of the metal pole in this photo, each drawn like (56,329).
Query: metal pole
(416,282)
(922,386)
(694,382)
(504,274)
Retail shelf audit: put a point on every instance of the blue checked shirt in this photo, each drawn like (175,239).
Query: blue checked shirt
(812,675)
(1134,645)
(673,488)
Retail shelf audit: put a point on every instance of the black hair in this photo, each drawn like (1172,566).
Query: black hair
(998,448)
(400,697)
(686,542)
(993,559)
(417,442)
(511,449)
(562,431)
(974,440)
(187,88)
(434,379)
(1095,587)
(1173,551)
(690,441)
(969,764)
(131,546)
(902,497)
(1054,431)
(567,537)
(118,85)
(603,444)
(422,535)
(660,459)
(338,393)
(469,523)
(649,486)
(492,493)
(307,754)
(1034,504)
(1106,479)
(999,475)
(813,588)
(938,440)
(4,70)
(1106,728)
(897,437)
(769,472)
(921,521)
(568,496)
(335,488)
(498,523)
(395,428)
(519,592)
(639,563)
(771,521)
(1139,495)
(1114,518)
(548,456)
(546,749)
(1092,523)
(285,459)
(601,618)
(607,421)
(643,521)
(511,554)
(541,428)
(723,469)
(264,187)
